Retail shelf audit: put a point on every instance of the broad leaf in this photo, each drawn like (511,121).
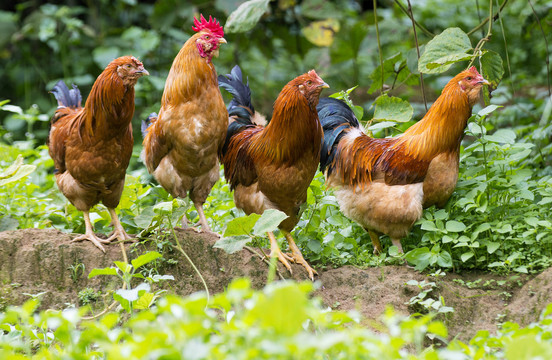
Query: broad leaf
(443,50)
(492,68)
(487,110)
(232,244)
(145,258)
(389,108)
(16,171)
(319,9)
(242,225)
(503,136)
(455,226)
(104,271)
(321,33)
(8,223)
(269,221)
(145,301)
(246,16)
(382,125)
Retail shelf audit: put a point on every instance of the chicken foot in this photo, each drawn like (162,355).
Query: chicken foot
(275,251)
(118,231)
(298,257)
(202,218)
(89,233)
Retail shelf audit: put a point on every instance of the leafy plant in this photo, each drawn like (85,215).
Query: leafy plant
(139,297)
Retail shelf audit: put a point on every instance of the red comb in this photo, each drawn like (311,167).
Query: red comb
(473,69)
(212,25)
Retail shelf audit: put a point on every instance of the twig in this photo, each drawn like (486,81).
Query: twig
(506,50)
(411,15)
(424,30)
(264,259)
(495,17)
(546,44)
(379,44)
(485,39)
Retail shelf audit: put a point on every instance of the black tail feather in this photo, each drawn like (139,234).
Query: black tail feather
(240,107)
(147,123)
(65,97)
(336,117)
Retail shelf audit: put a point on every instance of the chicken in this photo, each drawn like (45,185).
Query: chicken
(91,145)
(182,142)
(272,167)
(384,184)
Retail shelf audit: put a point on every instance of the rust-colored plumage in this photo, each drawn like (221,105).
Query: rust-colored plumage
(91,145)
(271,167)
(182,142)
(385,183)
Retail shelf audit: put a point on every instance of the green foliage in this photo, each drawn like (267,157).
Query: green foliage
(140,297)
(241,323)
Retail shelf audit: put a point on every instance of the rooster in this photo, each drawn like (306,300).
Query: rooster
(384,184)
(272,167)
(91,145)
(182,142)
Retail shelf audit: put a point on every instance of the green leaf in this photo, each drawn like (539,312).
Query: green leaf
(444,50)
(492,246)
(382,125)
(232,244)
(503,136)
(145,301)
(15,171)
(165,207)
(246,16)
(390,68)
(124,267)
(104,271)
(319,9)
(492,68)
(444,259)
(104,55)
(455,226)
(466,256)
(419,257)
(389,108)
(242,225)
(145,258)
(489,109)
(269,221)
(124,302)
(321,33)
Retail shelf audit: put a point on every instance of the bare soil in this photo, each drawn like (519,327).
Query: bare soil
(34,261)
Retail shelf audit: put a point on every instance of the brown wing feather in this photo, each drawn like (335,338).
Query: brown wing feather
(239,166)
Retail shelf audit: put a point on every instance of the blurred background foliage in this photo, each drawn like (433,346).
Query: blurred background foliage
(43,42)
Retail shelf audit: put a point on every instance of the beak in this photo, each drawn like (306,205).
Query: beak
(222,41)
(143,72)
(484,82)
(324,85)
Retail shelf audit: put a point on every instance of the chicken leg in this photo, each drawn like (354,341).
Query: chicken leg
(202,218)
(298,257)
(375,241)
(275,251)
(89,233)
(118,231)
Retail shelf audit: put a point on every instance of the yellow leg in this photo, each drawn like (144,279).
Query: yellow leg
(375,241)
(202,218)
(298,257)
(397,243)
(89,234)
(118,231)
(275,251)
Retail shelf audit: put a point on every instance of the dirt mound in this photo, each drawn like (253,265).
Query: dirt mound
(36,261)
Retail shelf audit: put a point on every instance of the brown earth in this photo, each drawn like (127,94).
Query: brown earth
(36,261)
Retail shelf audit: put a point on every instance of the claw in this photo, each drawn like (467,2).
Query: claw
(297,257)
(93,238)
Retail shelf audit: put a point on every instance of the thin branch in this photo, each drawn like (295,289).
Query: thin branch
(421,27)
(264,259)
(506,50)
(379,44)
(411,15)
(546,44)
(484,40)
(495,17)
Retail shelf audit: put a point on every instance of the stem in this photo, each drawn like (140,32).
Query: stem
(179,248)
(379,43)
(494,18)
(411,15)
(485,39)
(546,44)
(424,30)
(506,50)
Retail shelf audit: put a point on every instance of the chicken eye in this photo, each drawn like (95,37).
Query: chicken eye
(207,37)
(309,83)
(469,78)
(128,66)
